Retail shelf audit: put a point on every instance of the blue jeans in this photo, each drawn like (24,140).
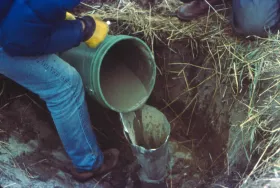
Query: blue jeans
(255,17)
(61,87)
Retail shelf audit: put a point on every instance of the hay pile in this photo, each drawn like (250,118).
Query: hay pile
(247,69)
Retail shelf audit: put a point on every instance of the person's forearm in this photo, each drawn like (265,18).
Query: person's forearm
(52,10)
(65,35)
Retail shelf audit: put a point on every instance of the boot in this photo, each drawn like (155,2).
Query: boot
(111,157)
(194,9)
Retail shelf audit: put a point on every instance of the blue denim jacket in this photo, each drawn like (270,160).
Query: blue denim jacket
(5,6)
(37,27)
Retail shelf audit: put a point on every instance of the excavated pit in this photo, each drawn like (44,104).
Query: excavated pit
(197,110)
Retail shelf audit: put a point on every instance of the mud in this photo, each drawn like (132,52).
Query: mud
(146,127)
(121,87)
(147,130)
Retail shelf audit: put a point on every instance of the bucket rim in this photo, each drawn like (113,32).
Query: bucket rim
(106,47)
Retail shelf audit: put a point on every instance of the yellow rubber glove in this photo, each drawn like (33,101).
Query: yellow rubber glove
(69,16)
(99,34)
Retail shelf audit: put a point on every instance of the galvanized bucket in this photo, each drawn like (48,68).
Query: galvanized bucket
(148,131)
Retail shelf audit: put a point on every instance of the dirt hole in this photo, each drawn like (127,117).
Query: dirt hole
(186,94)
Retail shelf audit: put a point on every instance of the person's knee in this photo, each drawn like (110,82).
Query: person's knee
(75,80)
(255,17)
(69,94)
(74,85)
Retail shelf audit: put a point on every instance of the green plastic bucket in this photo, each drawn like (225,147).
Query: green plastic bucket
(107,71)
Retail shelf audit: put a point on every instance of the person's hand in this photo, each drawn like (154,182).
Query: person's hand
(95,30)
(69,16)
